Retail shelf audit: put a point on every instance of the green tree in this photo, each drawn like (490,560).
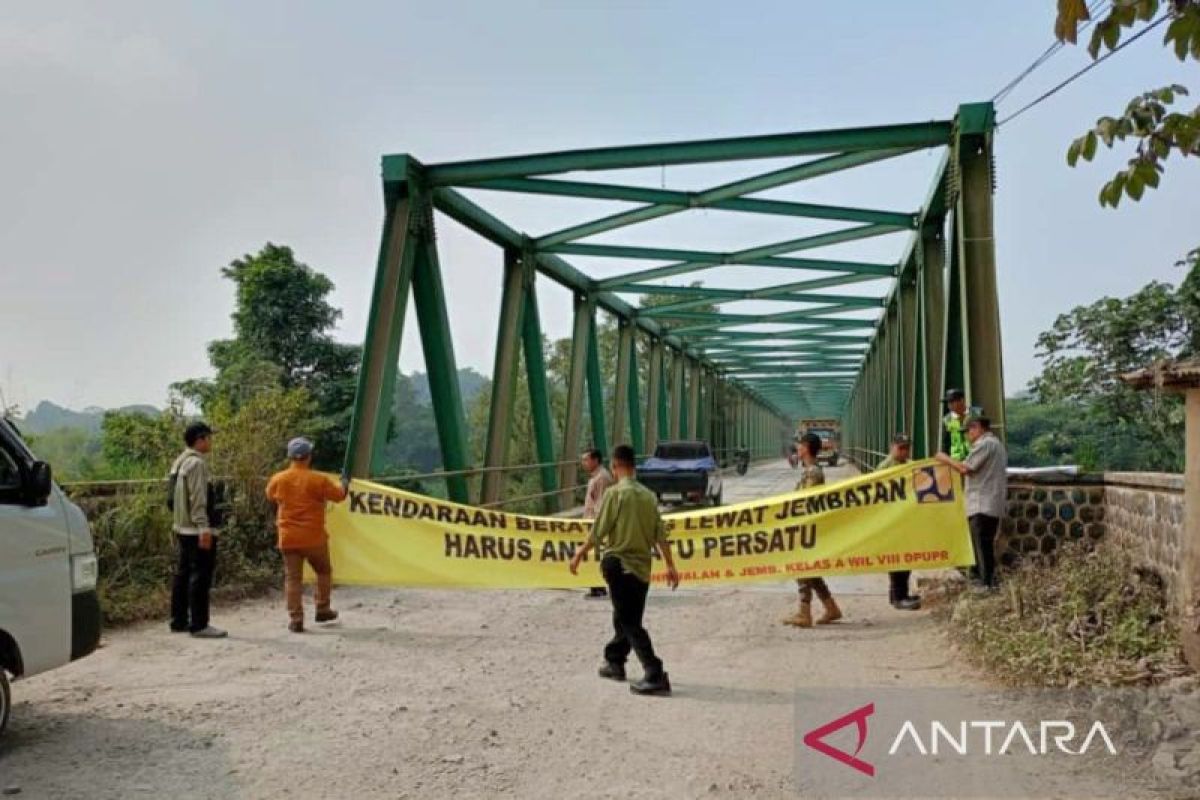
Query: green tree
(1147,120)
(138,445)
(282,323)
(1085,352)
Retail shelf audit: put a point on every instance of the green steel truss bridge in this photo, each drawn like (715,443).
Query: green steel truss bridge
(712,375)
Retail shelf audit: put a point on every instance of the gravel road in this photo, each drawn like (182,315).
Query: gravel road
(459,694)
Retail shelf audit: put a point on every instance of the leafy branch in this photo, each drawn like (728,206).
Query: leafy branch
(1146,119)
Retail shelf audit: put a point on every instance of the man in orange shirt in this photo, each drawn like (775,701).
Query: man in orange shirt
(300,495)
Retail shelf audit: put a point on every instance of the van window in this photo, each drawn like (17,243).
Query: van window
(10,476)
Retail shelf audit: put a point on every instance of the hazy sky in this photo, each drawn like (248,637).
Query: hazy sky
(145,144)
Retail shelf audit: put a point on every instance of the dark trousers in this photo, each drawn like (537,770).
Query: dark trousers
(810,585)
(628,594)
(898,585)
(193,580)
(983,539)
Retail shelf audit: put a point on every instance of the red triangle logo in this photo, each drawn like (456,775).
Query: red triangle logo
(816,739)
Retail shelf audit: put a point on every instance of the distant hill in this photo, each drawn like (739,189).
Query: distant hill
(47,416)
(470,383)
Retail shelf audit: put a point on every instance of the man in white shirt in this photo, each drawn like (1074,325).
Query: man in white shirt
(599,479)
(986,468)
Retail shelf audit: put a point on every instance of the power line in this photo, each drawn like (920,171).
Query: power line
(1090,66)
(1093,12)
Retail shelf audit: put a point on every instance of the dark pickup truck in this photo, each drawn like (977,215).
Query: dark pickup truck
(683,472)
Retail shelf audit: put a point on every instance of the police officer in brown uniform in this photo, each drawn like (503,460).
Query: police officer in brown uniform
(811,475)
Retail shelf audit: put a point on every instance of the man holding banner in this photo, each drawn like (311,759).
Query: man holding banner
(812,475)
(626,530)
(898,594)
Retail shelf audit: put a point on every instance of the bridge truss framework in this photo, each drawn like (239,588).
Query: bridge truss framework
(709,376)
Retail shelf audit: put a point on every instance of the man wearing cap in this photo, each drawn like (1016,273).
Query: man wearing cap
(954,434)
(986,468)
(192,502)
(898,593)
(300,495)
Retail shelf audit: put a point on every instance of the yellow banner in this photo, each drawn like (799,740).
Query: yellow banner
(909,517)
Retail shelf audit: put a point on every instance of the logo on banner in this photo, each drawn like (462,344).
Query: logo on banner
(933,484)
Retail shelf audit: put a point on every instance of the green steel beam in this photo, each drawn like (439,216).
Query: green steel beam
(480,221)
(758,183)
(504,376)
(675,406)
(719,259)
(709,291)
(636,436)
(625,348)
(933,310)
(833,348)
(654,392)
(429,298)
(596,389)
(977,252)
(693,399)
(669,197)
(539,400)
(915,135)
(821,313)
(827,323)
(795,335)
(700,260)
(580,340)
(848,300)
(381,348)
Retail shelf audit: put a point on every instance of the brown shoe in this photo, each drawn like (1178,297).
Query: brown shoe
(296,627)
(802,618)
(326,615)
(832,612)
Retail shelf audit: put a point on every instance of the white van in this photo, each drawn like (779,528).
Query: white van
(49,612)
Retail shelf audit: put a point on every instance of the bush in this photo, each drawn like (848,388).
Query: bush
(1088,616)
(136,550)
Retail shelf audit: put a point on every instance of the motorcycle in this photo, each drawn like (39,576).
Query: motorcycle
(741,460)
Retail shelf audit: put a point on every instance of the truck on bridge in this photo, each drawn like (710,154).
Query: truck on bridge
(829,431)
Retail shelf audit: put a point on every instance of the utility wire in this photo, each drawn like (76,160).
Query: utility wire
(1094,12)
(1090,66)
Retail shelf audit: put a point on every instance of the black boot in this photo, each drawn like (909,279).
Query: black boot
(659,684)
(597,591)
(612,671)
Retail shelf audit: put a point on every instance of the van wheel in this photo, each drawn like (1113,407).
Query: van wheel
(5,700)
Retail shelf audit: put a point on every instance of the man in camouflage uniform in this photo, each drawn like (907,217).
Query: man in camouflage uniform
(812,475)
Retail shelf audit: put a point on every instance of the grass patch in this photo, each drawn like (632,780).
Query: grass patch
(1089,615)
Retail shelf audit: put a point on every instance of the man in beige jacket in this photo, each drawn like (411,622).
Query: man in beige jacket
(192,502)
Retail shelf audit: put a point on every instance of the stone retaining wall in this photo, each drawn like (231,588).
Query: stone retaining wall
(1143,510)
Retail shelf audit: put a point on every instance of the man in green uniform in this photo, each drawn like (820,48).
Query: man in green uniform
(625,532)
(898,589)
(811,475)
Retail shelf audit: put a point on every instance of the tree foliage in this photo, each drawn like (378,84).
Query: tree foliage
(282,322)
(1087,350)
(1147,121)
(136,445)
